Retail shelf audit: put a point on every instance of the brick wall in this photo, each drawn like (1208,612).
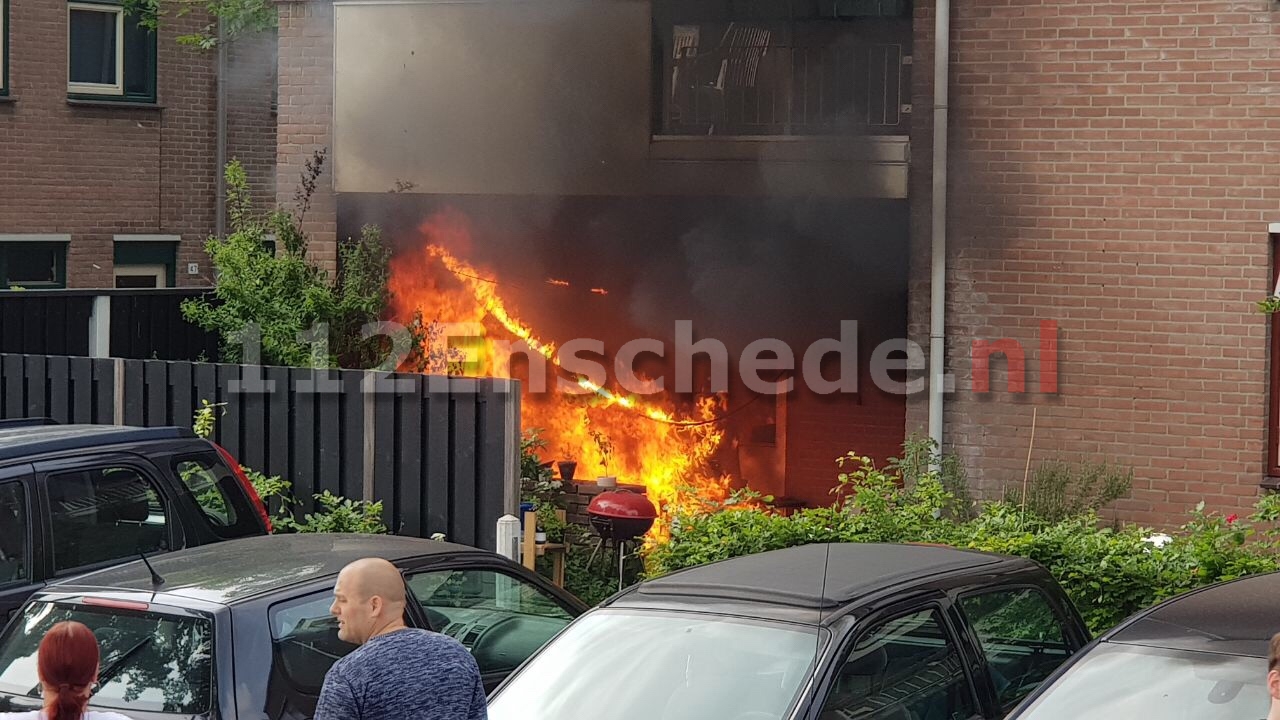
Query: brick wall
(251,116)
(94,172)
(305,118)
(1113,168)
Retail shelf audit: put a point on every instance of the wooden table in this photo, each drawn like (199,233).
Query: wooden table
(531,549)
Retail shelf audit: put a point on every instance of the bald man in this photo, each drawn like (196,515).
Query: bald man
(398,672)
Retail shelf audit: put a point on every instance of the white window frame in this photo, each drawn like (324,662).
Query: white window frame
(98,88)
(159,271)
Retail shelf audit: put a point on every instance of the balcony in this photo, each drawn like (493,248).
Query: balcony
(810,79)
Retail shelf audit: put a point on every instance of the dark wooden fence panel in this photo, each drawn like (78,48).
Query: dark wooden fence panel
(144,324)
(46,322)
(438,452)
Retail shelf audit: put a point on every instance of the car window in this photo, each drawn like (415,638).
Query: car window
(14,530)
(1021,637)
(104,514)
(1115,680)
(500,618)
(150,662)
(305,640)
(906,668)
(215,488)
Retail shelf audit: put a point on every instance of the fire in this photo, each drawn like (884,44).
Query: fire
(606,432)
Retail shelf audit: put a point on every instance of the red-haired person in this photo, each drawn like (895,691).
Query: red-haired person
(68,668)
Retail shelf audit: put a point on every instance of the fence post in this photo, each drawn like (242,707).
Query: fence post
(100,327)
(367,385)
(118,381)
(511,458)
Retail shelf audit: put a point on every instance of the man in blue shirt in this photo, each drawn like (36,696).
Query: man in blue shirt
(398,672)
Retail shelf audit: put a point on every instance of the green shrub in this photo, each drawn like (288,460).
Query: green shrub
(1109,573)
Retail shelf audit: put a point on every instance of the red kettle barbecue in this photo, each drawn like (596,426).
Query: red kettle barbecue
(619,516)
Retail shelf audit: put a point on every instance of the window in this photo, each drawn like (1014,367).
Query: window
(33,264)
(4,48)
(111,56)
(1272,480)
(906,668)
(789,67)
(1021,637)
(14,547)
(218,492)
(305,638)
(150,662)
(467,603)
(103,515)
(145,261)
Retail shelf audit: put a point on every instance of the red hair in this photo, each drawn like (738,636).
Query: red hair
(68,664)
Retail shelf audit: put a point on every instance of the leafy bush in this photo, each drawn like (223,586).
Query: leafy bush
(282,302)
(1059,490)
(1109,573)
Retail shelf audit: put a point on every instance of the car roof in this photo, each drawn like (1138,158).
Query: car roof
(794,577)
(233,571)
(1236,618)
(22,440)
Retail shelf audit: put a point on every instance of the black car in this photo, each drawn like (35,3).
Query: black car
(883,632)
(242,629)
(1199,655)
(74,498)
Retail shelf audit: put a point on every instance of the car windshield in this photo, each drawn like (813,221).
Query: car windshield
(662,666)
(1128,681)
(149,662)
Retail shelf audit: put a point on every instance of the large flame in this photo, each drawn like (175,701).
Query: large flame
(605,431)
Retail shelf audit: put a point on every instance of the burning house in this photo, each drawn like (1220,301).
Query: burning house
(768,169)
(727,175)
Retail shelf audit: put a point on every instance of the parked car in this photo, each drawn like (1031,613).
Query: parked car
(242,629)
(74,498)
(1199,655)
(885,632)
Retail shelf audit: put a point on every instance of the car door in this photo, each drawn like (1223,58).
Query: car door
(500,613)
(906,663)
(21,562)
(1021,638)
(101,510)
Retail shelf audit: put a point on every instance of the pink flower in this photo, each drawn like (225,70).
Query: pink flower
(1232,518)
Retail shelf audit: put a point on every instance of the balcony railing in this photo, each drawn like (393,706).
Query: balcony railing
(756,80)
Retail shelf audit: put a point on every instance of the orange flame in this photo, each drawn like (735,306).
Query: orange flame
(606,433)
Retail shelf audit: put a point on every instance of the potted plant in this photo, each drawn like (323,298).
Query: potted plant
(568,466)
(605,446)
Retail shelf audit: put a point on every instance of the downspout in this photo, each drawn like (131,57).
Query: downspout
(938,280)
(220,151)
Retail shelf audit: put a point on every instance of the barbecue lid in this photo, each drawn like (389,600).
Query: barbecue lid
(622,504)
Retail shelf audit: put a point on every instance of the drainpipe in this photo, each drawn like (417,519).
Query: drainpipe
(938,281)
(220,151)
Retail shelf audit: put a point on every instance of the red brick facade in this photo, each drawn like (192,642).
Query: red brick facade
(94,171)
(1114,168)
(305,118)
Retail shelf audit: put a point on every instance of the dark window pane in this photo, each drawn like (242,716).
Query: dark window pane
(93,47)
(465,603)
(1021,637)
(136,281)
(216,489)
(13,534)
(907,668)
(306,641)
(103,515)
(138,65)
(32,263)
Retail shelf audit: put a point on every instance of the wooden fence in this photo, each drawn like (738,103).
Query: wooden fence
(442,454)
(136,323)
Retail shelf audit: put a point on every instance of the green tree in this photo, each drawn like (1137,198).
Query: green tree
(293,311)
(238,17)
